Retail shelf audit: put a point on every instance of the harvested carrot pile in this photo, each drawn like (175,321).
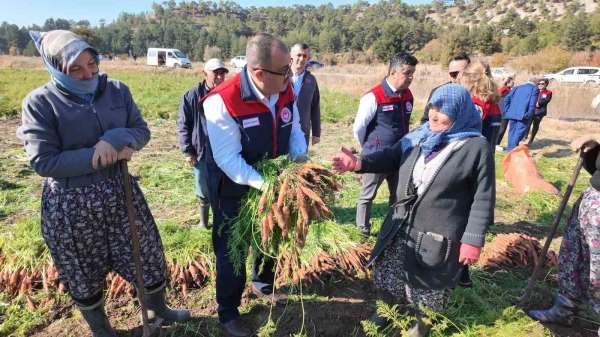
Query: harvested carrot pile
(181,279)
(349,262)
(514,250)
(26,267)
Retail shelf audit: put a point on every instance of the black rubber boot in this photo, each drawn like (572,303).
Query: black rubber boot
(420,328)
(96,318)
(379,321)
(236,328)
(561,312)
(389,299)
(204,208)
(465,278)
(155,300)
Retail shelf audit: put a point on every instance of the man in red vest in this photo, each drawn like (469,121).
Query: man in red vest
(249,117)
(382,119)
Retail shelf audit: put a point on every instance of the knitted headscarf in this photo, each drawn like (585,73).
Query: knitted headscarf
(454,101)
(59,49)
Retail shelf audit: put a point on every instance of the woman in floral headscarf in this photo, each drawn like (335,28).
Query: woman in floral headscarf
(75,128)
(446,197)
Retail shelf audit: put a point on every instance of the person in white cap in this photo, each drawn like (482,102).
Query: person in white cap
(193,136)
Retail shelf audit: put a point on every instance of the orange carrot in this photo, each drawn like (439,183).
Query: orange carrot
(262,203)
(120,285)
(283,191)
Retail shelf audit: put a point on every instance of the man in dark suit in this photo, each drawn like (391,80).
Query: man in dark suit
(306,92)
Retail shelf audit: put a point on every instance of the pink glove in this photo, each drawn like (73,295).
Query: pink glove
(345,161)
(469,254)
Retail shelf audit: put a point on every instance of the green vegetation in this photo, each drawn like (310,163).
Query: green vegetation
(205,29)
(486,310)
(156,93)
(16,319)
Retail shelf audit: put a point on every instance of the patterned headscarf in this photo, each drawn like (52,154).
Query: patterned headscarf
(454,101)
(59,49)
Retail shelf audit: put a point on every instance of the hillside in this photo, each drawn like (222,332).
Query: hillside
(365,31)
(489,11)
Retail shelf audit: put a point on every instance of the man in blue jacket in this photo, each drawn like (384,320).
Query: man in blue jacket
(519,107)
(191,125)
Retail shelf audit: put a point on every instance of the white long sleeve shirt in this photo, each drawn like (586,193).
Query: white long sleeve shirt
(225,138)
(365,114)
(297,83)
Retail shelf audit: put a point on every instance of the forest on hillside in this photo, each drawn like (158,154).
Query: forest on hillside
(203,29)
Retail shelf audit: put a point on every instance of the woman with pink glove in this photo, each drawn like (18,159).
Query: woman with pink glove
(446,196)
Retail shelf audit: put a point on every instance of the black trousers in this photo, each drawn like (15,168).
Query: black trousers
(502,131)
(230,285)
(534,127)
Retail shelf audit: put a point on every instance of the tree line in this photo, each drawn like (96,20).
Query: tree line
(203,29)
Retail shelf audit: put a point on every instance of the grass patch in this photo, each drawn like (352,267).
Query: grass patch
(485,310)
(156,93)
(16,319)
(22,245)
(183,244)
(337,107)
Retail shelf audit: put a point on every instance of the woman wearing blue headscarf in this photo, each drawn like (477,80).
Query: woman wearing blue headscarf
(446,197)
(75,128)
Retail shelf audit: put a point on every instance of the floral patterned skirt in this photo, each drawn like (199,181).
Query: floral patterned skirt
(87,231)
(388,279)
(579,257)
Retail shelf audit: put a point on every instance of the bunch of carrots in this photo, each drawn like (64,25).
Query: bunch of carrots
(298,196)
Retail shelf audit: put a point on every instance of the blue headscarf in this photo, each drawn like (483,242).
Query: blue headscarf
(454,101)
(59,49)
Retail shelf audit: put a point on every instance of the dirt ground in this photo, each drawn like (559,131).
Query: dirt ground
(346,301)
(340,305)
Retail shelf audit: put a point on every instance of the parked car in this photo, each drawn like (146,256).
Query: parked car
(238,62)
(314,64)
(587,75)
(167,57)
(501,73)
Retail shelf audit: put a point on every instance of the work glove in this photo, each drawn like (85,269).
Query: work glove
(469,254)
(345,161)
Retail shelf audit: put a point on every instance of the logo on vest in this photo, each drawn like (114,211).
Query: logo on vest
(409,107)
(387,108)
(286,115)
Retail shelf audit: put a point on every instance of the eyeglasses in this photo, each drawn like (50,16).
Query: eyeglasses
(542,83)
(454,74)
(286,73)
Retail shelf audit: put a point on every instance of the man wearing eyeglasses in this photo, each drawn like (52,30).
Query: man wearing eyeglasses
(307,94)
(457,65)
(382,119)
(191,126)
(250,117)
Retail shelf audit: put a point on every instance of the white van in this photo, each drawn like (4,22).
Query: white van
(167,57)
